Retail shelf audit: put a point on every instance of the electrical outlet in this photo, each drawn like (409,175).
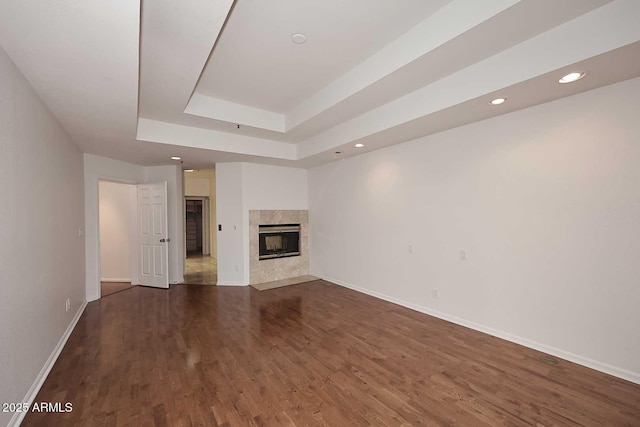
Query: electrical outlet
(67,304)
(237,268)
(411,249)
(434,293)
(463,255)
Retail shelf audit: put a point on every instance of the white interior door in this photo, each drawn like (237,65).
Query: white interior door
(153,235)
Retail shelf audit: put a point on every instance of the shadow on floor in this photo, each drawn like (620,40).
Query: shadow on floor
(109,288)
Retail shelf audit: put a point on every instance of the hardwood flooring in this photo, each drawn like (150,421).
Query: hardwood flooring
(108,288)
(309,354)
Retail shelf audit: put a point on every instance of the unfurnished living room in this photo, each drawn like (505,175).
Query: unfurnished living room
(320,212)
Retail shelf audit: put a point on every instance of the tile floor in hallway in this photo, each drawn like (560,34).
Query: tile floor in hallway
(200,270)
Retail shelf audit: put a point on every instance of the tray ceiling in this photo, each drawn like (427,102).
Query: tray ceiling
(217,80)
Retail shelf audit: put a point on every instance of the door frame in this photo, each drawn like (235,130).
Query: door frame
(101,168)
(206,223)
(134,253)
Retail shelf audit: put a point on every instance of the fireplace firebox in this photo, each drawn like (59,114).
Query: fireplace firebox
(278,241)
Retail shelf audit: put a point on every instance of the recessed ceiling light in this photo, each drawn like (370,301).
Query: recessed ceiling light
(298,38)
(572,77)
(498,101)
(176,158)
(359,145)
(188,170)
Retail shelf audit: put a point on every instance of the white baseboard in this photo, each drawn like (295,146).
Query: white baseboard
(634,377)
(42,376)
(232,283)
(117,280)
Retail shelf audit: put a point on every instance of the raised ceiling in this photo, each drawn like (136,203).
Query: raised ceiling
(213,81)
(255,63)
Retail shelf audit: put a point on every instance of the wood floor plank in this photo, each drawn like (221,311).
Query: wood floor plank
(312,354)
(108,288)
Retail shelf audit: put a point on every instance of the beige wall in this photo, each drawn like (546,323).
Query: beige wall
(199,187)
(202,183)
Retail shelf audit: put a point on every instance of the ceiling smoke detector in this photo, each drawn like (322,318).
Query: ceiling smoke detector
(298,38)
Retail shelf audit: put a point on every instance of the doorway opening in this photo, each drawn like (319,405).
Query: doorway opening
(117,231)
(197,234)
(200,228)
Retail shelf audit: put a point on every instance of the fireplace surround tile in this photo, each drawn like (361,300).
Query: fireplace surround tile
(269,270)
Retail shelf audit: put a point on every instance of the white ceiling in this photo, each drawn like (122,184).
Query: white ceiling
(141,83)
(255,62)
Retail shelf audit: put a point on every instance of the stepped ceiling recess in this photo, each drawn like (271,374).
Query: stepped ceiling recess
(218,80)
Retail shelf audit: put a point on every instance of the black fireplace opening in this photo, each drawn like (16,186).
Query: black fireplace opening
(278,241)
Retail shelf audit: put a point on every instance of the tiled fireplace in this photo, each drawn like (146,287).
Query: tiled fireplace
(285,247)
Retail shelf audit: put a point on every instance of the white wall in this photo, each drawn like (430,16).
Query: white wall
(41,247)
(118,222)
(546,204)
(231,268)
(98,168)
(266,187)
(241,187)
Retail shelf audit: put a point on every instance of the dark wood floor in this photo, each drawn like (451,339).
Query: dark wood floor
(310,354)
(108,288)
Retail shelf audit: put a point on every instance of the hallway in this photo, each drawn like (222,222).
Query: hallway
(200,270)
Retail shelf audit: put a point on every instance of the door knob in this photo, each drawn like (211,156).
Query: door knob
(163,240)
